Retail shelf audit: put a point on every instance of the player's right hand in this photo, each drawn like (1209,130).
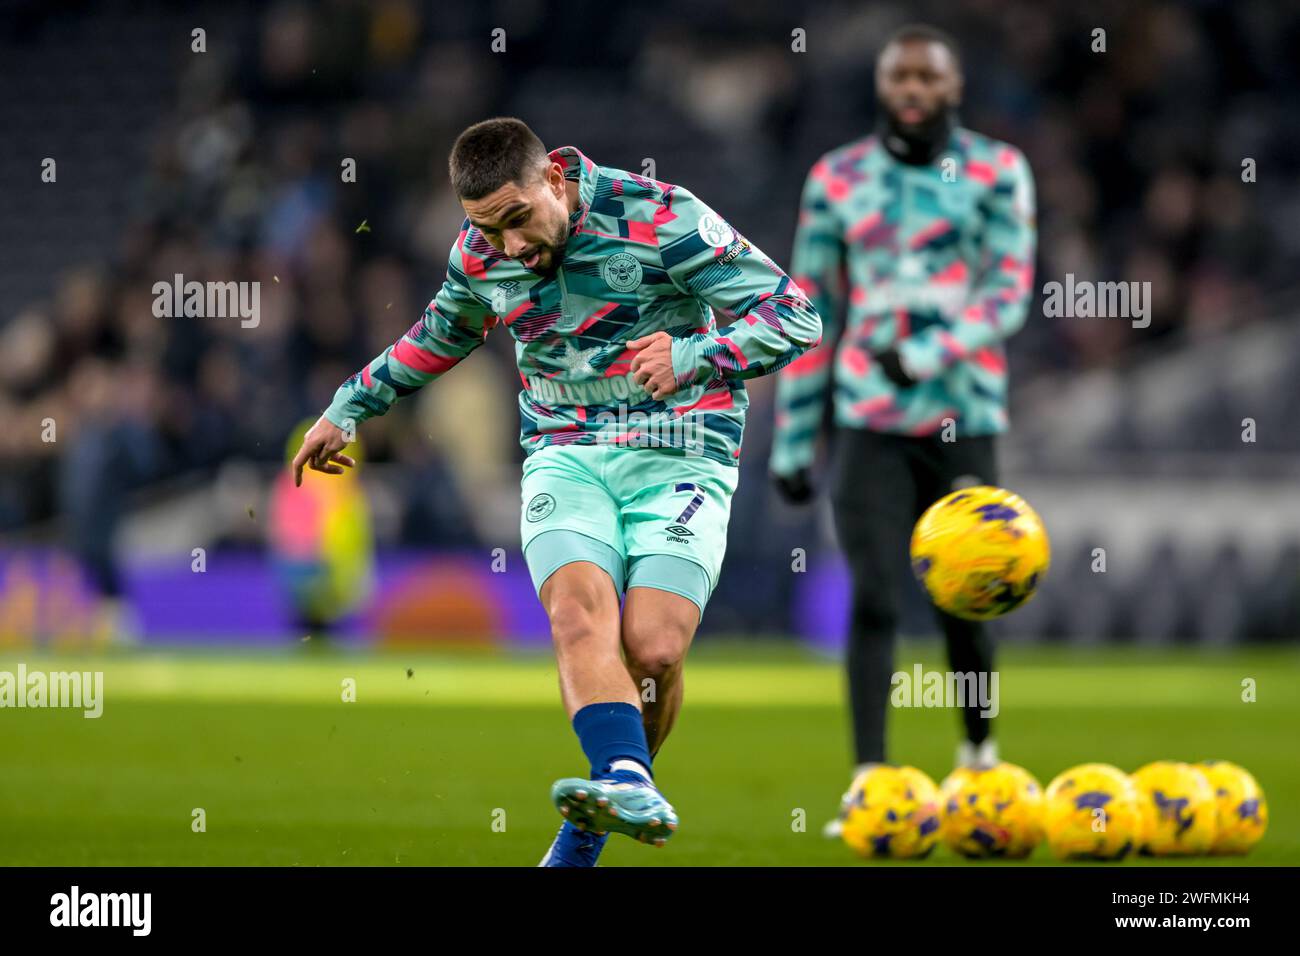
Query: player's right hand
(321,451)
(795,488)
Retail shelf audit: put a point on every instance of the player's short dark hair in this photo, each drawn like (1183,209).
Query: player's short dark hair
(925,33)
(492,153)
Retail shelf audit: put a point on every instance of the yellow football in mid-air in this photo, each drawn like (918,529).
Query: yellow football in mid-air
(980,552)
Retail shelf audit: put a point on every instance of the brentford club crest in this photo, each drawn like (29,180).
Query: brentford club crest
(622,272)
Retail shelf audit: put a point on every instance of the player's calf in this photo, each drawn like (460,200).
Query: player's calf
(658,627)
(582,606)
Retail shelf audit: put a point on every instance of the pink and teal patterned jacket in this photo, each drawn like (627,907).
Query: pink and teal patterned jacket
(935,262)
(642,256)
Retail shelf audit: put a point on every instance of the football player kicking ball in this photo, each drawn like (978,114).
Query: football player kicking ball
(632,410)
(932,226)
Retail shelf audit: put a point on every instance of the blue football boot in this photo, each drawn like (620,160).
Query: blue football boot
(624,802)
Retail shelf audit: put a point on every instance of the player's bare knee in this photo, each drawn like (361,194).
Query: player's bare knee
(655,661)
(656,649)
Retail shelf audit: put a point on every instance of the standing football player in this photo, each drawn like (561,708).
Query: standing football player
(632,408)
(916,245)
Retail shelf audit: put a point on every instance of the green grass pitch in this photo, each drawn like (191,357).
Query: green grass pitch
(451,764)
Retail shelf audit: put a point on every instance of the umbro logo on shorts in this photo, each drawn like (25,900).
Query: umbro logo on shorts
(679,532)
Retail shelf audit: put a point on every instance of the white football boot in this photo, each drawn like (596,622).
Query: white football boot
(835,826)
(977,756)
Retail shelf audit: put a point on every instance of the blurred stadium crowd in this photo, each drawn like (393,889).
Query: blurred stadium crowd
(225,165)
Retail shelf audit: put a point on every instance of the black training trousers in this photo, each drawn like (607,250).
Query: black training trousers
(882,484)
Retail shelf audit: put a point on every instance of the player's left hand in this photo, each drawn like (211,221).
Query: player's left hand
(796,488)
(652,367)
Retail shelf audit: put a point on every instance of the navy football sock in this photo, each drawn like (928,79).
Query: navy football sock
(609,732)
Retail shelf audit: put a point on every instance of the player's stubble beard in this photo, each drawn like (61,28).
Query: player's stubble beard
(555,247)
(917,144)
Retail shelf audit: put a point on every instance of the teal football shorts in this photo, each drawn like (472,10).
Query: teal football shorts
(647,517)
